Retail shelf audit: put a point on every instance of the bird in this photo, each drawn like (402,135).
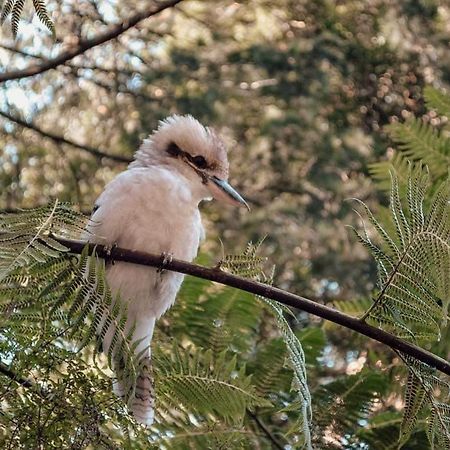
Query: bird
(153,206)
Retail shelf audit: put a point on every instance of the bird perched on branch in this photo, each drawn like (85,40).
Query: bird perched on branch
(153,206)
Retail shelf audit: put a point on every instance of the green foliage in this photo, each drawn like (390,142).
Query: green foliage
(437,100)
(58,307)
(418,141)
(382,432)
(14,8)
(412,260)
(26,237)
(44,290)
(413,263)
(233,316)
(426,390)
(248,264)
(194,381)
(380,171)
(299,90)
(344,402)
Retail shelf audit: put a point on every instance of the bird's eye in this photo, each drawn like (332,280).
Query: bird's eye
(173,149)
(199,161)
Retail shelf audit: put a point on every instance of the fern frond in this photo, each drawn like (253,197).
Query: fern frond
(269,367)
(92,313)
(26,236)
(15,16)
(437,100)
(412,260)
(425,390)
(197,381)
(42,13)
(40,279)
(380,171)
(382,431)
(298,365)
(6,10)
(219,317)
(346,401)
(212,435)
(246,264)
(15,9)
(419,141)
(251,265)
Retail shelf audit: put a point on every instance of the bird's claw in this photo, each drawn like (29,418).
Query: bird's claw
(166,259)
(108,250)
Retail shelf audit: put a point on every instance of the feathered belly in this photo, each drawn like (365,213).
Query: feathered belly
(146,291)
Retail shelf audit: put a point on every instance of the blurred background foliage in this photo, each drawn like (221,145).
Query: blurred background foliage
(301,91)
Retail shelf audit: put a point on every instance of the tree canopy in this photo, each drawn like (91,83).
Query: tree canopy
(319,103)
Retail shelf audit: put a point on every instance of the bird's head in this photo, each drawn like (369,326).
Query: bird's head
(183,144)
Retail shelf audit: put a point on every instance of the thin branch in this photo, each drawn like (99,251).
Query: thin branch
(265,430)
(93,67)
(61,140)
(25,382)
(264,290)
(12,49)
(86,44)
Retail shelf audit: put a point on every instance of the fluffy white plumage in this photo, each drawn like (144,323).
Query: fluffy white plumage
(153,206)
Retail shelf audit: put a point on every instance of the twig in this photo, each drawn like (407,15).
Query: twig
(93,67)
(86,44)
(25,382)
(61,140)
(265,430)
(267,291)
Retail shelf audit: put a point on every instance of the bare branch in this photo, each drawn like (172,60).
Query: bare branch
(93,67)
(264,290)
(86,44)
(61,140)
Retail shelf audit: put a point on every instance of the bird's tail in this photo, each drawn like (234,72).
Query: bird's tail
(142,402)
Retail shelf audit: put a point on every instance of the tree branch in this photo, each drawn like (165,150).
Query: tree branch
(265,430)
(25,382)
(86,44)
(61,140)
(93,67)
(264,290)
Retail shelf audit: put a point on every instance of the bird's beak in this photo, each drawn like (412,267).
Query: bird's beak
(221,190)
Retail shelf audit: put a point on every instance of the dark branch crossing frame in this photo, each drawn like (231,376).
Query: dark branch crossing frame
(61,140)
(87,44)
(263,290)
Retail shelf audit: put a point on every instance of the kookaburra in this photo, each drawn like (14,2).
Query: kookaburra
(153,207)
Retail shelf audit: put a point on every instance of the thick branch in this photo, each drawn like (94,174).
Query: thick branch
(264,290)
(86,44)
(61,140)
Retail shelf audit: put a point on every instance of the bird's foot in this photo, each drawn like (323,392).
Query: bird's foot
(108,250)
(166,259)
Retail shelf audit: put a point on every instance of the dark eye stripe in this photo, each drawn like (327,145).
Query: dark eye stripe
(173,149)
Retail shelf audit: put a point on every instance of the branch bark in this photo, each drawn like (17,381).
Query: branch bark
(61,140)
(264,290)
(86,44)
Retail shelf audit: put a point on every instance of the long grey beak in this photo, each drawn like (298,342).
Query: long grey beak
(231,193)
